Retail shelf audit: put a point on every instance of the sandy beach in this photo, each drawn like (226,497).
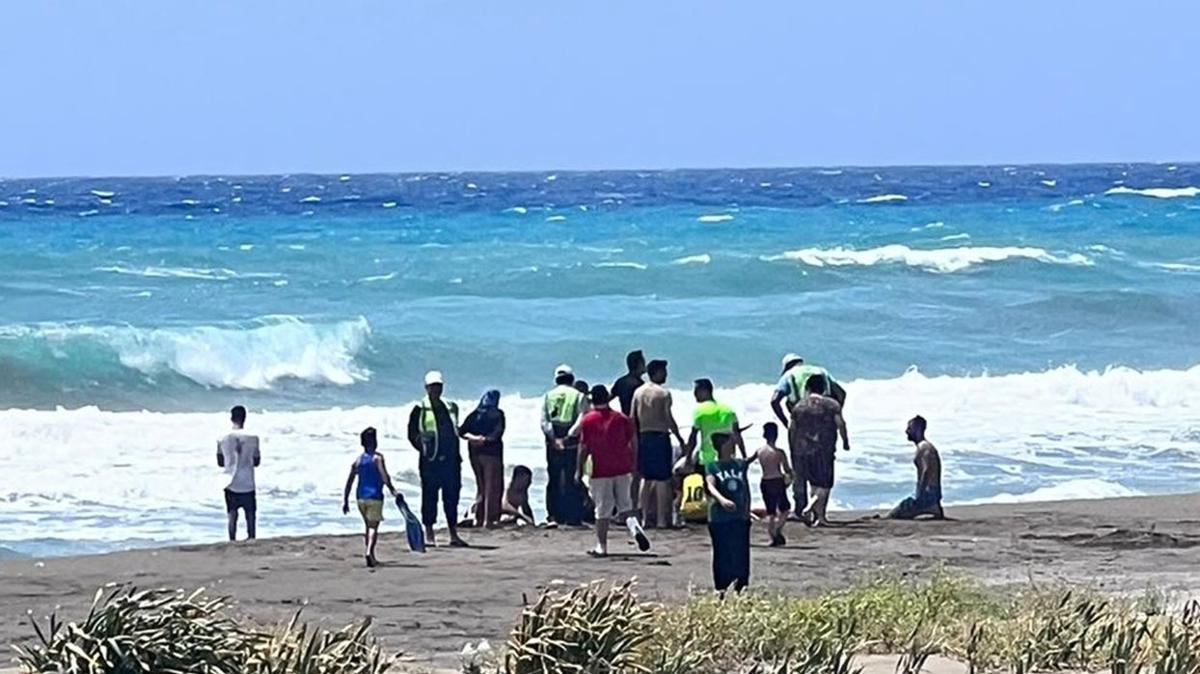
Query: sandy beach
(428,605)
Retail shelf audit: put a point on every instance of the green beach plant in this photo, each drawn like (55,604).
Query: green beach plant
(131,631)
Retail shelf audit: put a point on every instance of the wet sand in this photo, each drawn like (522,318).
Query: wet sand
(429,605)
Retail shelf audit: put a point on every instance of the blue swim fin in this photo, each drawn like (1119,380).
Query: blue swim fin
(412,526)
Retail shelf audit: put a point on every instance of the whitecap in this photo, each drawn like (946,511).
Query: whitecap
(48,202)
(295,246)
(621,265)
(311,199)
(246,246)
(280,283)
(721,217)
(3,203)
(704,258)
(105,202)
(236,200)
(103,194)
(197,273)
(389,204)
(983,183)
(551,178)
(955,237)
(556,218)
(190,202)
(1157,192)
(939,260)
(830,172)
(84,214)
(883,199)
(519,210)
(764,184)
(1179,267)
(472,186)
(285,190)
(344,178)
(1050,183)
(374,279)
(29,200)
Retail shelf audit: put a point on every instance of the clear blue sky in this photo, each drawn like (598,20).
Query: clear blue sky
(250,86)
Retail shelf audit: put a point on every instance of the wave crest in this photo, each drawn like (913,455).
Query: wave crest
(939,260)
(253,356)
(1156,192)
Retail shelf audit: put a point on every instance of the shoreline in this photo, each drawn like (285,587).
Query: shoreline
(429,605)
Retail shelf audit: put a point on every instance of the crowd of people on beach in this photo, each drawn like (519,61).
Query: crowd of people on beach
(631,464)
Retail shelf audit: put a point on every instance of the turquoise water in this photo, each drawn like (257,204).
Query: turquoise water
(1044,318)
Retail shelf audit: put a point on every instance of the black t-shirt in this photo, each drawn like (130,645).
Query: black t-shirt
(447,434)
(489,424)
(623,389)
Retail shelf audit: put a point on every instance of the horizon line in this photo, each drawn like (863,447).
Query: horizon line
(491,171)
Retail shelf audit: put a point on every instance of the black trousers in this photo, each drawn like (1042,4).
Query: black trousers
(567,496)
(731,554)
(444,479)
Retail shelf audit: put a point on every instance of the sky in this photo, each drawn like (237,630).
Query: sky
(230,86)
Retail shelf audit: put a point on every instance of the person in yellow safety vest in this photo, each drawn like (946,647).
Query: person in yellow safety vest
(792,388)
(709,418)
(562,407)
(433,432)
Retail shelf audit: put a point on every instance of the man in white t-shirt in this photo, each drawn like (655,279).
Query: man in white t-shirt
(238,454)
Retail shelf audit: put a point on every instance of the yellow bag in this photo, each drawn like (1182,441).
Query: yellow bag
(694,505)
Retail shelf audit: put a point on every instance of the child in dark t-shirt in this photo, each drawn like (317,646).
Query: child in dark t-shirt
(728,515)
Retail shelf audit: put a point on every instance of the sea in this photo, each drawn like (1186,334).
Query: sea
(1044,319)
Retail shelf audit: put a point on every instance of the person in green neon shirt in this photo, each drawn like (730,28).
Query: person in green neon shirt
(710,418)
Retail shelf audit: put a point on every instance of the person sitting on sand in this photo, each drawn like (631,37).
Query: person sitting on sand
(610,440)
(516,507)
(728,515)
(816,423)
(372,475)
(927,500)
(776,471)
(238,454)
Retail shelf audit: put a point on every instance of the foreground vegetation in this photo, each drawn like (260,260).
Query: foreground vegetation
(165,632)
(609,629)
(599,628)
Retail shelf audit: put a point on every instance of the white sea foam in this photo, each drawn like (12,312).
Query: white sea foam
(720,217)
(519,210)
(1179,267)
(190,202)
(556,218)
(389,204)
(84,214)
(883,199)
(1080,434)
(983,183)
(620,265)
(103,194)
(344,178)
(939,260)
(311,199)
(955,237)
(1050,183)
(199,273)
(1156,192)
(704,258)
(381,277)
(830,172)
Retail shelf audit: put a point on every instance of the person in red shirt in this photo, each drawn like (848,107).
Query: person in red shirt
(610,439)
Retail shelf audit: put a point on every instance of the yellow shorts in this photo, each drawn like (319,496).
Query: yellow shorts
(371,511)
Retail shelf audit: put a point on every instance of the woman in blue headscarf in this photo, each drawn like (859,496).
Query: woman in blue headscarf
(483,430)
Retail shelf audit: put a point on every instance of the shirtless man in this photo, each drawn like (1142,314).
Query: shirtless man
(816,424)
(927,500)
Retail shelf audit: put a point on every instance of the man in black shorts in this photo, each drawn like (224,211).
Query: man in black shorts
(651,412)
(816,423)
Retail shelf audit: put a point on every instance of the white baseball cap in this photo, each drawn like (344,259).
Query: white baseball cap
(433,377)
(789,359)
(563,369)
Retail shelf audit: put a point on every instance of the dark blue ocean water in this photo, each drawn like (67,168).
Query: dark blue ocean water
(154,303)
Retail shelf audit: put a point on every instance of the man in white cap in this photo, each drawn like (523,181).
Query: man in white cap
(433,432)
(561,408)
(792,388)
